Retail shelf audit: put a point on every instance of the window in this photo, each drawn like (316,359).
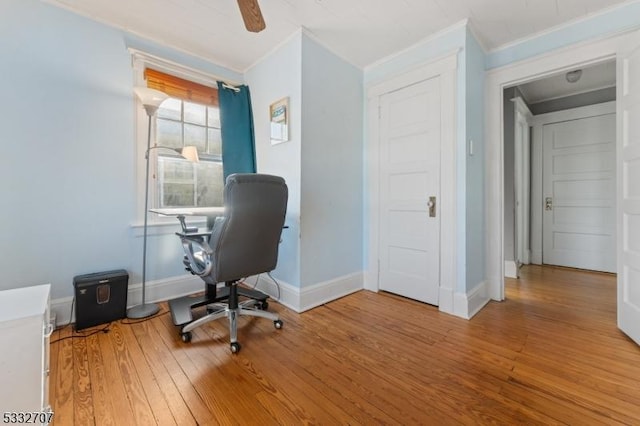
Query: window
(189,117)
(179,182)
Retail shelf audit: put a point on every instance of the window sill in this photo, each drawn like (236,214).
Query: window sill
(163,228)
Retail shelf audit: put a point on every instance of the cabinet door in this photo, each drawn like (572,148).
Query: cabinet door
(21,365)
(24,322)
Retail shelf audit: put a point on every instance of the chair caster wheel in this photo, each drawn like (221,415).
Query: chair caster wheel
(263,306)
(235,347)
(186,336)
(278,324)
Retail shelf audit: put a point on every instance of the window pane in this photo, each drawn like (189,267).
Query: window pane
(170,108)
(169,133)
(214,117)
(215,142)
(177,195)
(176,169)
(176,182)
(195,113)
(196,135)
(210,184)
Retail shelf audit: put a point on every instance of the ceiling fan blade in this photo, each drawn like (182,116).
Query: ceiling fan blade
(251,15)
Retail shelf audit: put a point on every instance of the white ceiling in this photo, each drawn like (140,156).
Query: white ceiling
(360,31)
(595,77)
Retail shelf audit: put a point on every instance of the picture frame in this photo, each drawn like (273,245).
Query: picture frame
(279,121)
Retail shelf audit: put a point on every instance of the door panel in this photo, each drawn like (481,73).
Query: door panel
(409,175)
(629,191)
(579,193)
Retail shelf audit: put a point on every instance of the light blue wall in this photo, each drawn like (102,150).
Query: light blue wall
(67,170)
(619,19)
(67,162)
(475,164)
(332,185)
(277,76)
(322,161)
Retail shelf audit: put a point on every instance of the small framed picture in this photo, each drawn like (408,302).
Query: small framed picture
(279,118)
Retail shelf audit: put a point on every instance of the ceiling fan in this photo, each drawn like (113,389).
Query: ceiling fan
(251,15)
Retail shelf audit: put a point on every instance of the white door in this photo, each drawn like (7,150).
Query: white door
(579,187)
(629,189)
(522,179)
(410,191)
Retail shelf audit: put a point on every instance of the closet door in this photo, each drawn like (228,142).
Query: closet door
(410,138)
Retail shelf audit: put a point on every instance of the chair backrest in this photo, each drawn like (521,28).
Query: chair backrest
(245,241)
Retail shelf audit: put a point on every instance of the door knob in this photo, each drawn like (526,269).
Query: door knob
(548,204)
(432,206)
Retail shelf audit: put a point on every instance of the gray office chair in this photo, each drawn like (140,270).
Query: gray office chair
(242,243)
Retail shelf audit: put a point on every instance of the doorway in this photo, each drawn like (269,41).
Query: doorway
(560,61)
(400,202)
(560,169)
(625,49)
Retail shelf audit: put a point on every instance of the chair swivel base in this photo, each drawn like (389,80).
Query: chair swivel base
(232,314)
(181,307)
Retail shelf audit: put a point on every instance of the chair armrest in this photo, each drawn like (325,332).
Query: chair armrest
(189,235)
(193,242)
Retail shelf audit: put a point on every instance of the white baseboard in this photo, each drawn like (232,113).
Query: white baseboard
(321,293)
(466,305)
(510,269)
(157,291)
(303,299)
(165,289)
(284,293)
(295,298)
(62,309)
(536,257)
(445,300)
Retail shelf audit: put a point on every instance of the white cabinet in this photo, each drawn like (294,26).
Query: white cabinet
(24,353)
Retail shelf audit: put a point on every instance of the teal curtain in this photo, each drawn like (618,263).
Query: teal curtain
(236,122)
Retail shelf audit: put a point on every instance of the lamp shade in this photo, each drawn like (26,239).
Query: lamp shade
(150,98)
(190,153)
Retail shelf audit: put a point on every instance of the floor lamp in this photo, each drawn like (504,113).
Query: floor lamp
(151,100)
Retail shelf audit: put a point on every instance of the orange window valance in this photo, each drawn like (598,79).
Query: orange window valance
(177,87)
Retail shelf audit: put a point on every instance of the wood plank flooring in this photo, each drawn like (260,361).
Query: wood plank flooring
(550,354)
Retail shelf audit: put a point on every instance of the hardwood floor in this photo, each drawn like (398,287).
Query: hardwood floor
(550,354)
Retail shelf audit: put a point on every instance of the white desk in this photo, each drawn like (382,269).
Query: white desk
(181,212)
(190,211)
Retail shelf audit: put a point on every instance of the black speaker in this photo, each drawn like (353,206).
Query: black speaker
(101,297)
